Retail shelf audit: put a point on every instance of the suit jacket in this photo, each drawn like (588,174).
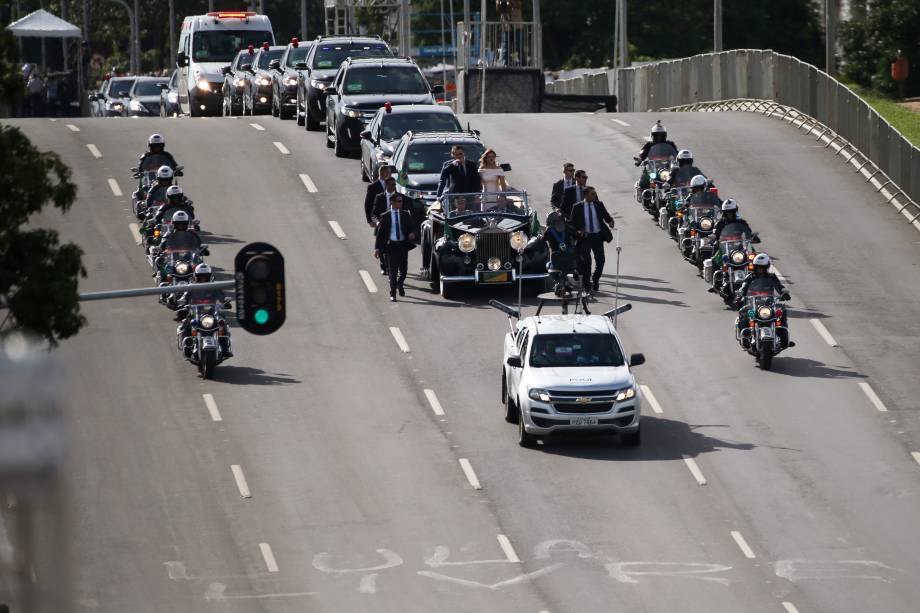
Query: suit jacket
(373,190)
(555,198)
(454,181)
(380,207)
(577,219)
(407,227)
(569,198)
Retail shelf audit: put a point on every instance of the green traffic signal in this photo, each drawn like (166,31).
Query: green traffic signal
(260,317)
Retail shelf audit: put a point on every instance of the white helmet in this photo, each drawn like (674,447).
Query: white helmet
(659,129)
(173,190)
(729,205)
(698,181)
(180,217)
(156,139)
(685,154)
(761,259)
(164,172)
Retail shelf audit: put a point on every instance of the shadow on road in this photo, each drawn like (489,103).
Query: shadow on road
(210,238)
(245,375)
(804,367)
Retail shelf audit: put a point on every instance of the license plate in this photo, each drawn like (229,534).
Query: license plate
(583,421)
(497,276)
(209,342)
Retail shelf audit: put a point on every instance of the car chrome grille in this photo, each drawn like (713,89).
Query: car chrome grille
(588,407)
(493,243)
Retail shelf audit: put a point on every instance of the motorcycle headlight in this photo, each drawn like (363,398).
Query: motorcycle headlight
(204,85)
(317,84)
(518,240)
(495,264)
(539,394)
(665,175)
(626,394)
(737,257)
(207,322)
(182,268)
(264,81)
(764,312)
(466,242)
(290,81)
(706,224)
(353,113)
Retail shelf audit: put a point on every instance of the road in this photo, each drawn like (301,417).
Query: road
(363,498)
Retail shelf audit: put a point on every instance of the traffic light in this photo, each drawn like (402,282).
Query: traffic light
(259,271)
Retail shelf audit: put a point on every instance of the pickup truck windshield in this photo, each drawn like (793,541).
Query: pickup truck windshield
(573,350)
(222,45)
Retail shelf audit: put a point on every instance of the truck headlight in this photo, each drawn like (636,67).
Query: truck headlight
(539,394)
(466,243)
(204,85)
(626,394)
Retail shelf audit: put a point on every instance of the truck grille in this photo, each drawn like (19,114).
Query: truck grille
(493,243)
(591,407)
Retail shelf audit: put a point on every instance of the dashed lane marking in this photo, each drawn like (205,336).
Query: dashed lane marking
(339,232)
(72,127)
(240,481)
(280,147)
(647,392)
(695,470)
(742,545)
(269,557)
(790,608)
(257,127)
(368,281)
(620,121)
(116,188)
(94,150)
(506,546)
(819,327)
(211,404)
(308,183)
(916,456)
(872,396)
(434,402)
(400,339)
(470,473)
(135,232)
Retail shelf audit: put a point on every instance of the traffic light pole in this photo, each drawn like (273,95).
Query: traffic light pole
(190,288)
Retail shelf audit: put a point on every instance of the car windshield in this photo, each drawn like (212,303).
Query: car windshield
(512,203)
(567,350)
(330,56)
(298,54)
(222,45)
(119,88)
(268,55)
(242,59)
(394,126)
(148,88)
(428,158)
(384,80)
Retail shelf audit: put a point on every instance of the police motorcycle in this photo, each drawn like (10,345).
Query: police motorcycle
(147,181)
(175,259)
(736,256)
(763,332)
(671,215)
(658,166)
(203,334)
(152,231)
(697,223)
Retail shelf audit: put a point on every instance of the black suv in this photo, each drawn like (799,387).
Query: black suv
(285,74)
(236,81)
(322,63)
(363,86)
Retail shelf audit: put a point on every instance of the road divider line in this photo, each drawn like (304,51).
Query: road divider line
(257,127)
(308,183)
(116,188)
(790,608)
(94,150)
(280,147)
(695,470)
(916,456)
(135,232)
(470,473)
(620,121)
(434,402)
(339,232)
(506,546)
(212,407)
(647,392)
(819,327)
(368,281)
(742,545)
(240,481)
(72,127)
(872,396)
(269,557)
(400,339)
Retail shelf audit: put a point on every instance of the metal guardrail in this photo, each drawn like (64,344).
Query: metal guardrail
(751,79)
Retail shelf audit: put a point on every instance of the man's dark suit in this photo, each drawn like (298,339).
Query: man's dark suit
(373,190)
(397,252)
(381,205)
(459,180)
(569,197)
(555,198)
(591,243)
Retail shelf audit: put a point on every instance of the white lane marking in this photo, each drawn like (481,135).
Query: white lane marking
(94,150)
(339,232)
(257,127)
(434,402)
(647,392)
(269,557)
(400,339)
(470,473)
(241,481)
(819,327)
(72,128)
(116,189)
(620,121)
(872,396)
(308,183)
(280,147)
(695,470)
(135,232)
(212,407)
(52,119)
(790,608)
(916,456)
(742,545)
(368,281)
(506,546)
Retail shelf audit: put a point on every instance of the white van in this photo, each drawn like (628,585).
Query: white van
(207,43)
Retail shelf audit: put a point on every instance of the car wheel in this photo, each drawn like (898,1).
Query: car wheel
(448,290)
(329,143)
(631,439)
(434,275)
(524,439)
(312,123)
(512,414)
(275,111)
(364,176)
(338,148)
(300,118)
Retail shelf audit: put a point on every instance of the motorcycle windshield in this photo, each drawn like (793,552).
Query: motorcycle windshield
(153,162)
(699,212)
(181,241)
(727,246)
(662,151)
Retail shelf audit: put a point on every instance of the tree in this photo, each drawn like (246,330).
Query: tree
(38,274)
(870,44)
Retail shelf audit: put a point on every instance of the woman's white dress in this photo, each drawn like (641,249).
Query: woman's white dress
(489,178)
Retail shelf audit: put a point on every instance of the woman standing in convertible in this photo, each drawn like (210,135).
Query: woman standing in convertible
(492,177)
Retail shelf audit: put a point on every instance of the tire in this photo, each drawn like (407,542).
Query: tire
(364,176)
(434,276)
(329,143)
(524,439)
(312,124)
(765,358)
(448,290)
(338,149)
(207,365)
(631,439)
(276,112)
(511,411)
(300,118)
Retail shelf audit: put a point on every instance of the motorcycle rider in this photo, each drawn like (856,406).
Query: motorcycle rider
(175,202)
(179,237)
(760,281)
(685,171)
(158,189)
(731,215)
(156,145)
(659,135)
(700,194)
(203,274)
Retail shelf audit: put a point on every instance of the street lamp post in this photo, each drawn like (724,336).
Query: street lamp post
(717,26)
(830,37)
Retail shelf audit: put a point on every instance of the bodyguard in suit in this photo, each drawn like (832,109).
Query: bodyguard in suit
(374,189)
(573,194)
(395,236)
(381,206)
(459,175)
(590,220)
(567,180)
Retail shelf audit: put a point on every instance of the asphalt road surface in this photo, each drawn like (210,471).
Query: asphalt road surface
(364,498)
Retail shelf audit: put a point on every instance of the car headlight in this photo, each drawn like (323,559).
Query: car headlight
(495,264)
(239,82)
(317,84)
(665,175)
(135,105)
(765,312)
(539,394)
(204,85)
(705,224)
(264,81)
(290,81)
(383,156)
(353,113)
(466,242)
(626,394)
(172,97)
(737,257)
(518,240)
(207,322)
(116,105)
(182,268)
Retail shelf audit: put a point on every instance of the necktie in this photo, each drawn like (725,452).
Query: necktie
(463,168)
(591,228)
(388,198)
(396,221)
(578,193)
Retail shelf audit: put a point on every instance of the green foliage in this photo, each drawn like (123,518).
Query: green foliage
(871,44)
(903,119)
(11,84)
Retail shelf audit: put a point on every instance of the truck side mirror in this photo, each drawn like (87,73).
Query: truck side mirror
(514,361)
(637,359)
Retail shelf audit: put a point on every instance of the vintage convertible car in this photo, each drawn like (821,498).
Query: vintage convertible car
(476,238)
